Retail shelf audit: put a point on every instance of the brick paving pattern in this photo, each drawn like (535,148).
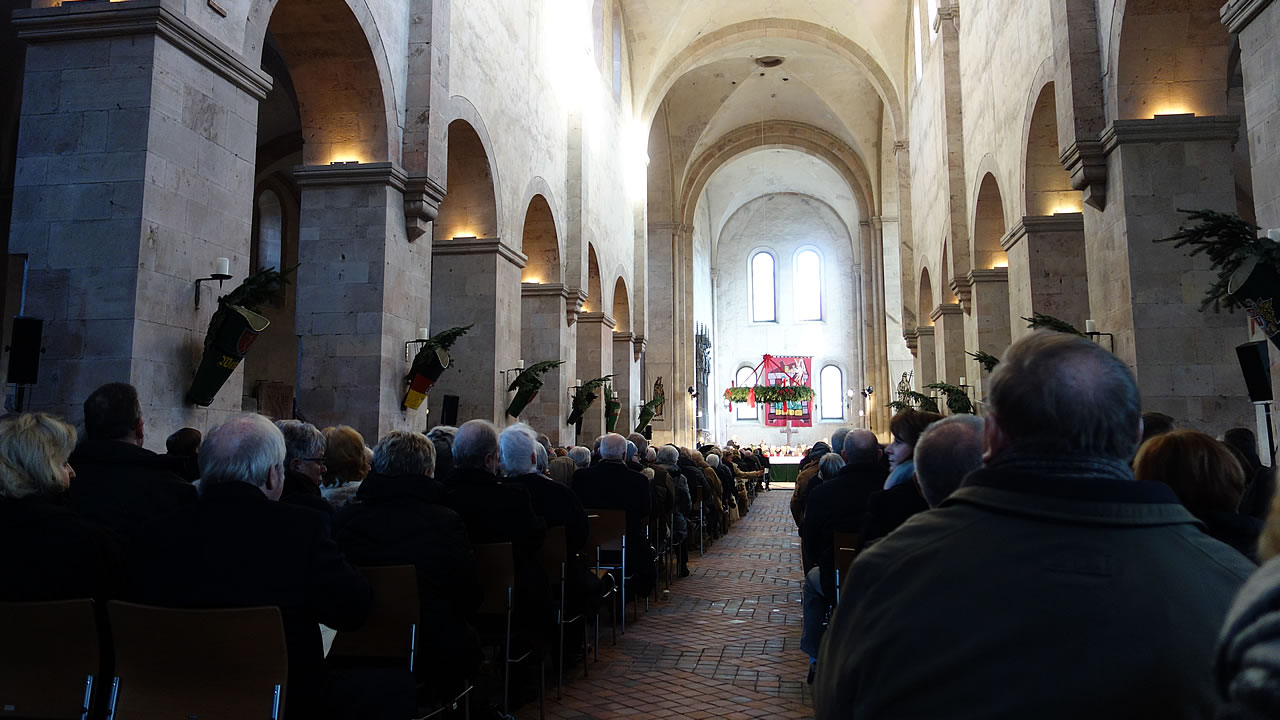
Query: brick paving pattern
(725,643)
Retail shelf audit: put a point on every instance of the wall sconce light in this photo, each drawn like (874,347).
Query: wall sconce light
(506,374)
(221,272)
(692,392)
(867,392)
(424,334)
(1091,332)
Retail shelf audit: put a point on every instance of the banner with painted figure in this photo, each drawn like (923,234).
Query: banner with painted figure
(787,371)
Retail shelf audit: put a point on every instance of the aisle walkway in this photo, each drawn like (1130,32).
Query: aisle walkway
(725,643)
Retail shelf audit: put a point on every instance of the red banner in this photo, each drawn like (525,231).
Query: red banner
(787,371)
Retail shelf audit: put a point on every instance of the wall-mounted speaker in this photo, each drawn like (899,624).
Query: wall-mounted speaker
(1256,366)
(449,413)
(24,350)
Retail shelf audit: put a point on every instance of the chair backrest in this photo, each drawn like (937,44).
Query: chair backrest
(48,659)
(210,664)
(553,553)
(605,529)
(391,630)
(496,567)
(846,547)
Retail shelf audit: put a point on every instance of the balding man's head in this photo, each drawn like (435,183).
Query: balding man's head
(860,447)
(613,447)
(947,451)
(1063,393)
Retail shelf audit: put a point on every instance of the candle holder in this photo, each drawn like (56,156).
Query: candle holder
(222,275)
(1096,336)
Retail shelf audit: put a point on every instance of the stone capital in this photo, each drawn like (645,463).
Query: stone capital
(947,11)
(1086,162)
(592,318)
(422,198)
(638,344)
(912,339)
(961,287)
(942,311)
(926,331)
(480,246)
(901,146)
(625,337)
(162,18)
(352,173)
(575,298)
(544,290)
(1237,14)
(1031,225)
(1170,129)
(994,275)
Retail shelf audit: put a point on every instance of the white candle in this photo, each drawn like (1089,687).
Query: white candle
(424,333)
(223,267)
(577,382)
(1273,234)
(1090,326)
(520,364)
(962,380)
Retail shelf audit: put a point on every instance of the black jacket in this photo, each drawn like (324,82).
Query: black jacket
(54,554)
(300,490)
(557,506)
(887,509)
(609,484)
(123,487)
(403,520)
(236,548)
(1239,531)
(838,505)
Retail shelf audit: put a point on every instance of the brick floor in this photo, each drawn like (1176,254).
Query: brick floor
(724,643)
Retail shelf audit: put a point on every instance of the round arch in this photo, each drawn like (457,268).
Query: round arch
(594,301)
(926,298)
(755,30)
(1046,184)
(1147,39)
(470,207)
(540,243)
(345,87)
(621,306)
(988,225)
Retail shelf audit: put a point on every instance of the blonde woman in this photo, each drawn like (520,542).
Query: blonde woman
(55,553)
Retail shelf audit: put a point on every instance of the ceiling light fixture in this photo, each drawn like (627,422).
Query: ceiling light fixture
(769,61)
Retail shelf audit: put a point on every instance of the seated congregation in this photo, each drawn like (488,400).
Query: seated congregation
(515,547)
(1064,556)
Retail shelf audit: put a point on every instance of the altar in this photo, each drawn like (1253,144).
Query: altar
(784,468)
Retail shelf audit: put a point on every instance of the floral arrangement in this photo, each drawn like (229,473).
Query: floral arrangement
(769,393)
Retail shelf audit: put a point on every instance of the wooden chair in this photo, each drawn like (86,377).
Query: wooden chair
(556,566)
(608,534)
(211,664)
(495,564)
(846,547)
(592,549)
(697,503)
(49,659)
(391,631)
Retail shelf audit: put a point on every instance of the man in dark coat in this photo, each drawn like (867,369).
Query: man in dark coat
(121,485)
(610,484)
(304,466)
(400,517)
(238,547)
(1051,584)
(837,505)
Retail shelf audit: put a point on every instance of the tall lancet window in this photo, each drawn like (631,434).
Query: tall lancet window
(743,411)
(807,282)
(270,231)
(763,307)
(832,388)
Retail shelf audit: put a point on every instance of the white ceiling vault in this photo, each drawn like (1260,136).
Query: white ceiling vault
(695,75)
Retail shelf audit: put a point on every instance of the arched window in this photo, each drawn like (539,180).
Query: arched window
(933,17)
(831,383)
(915,22)
(617,55)
(743,411)
(762,288)
(597,32)
(270,230)
(807,283)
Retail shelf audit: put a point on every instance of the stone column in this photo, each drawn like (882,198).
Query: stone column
(134,173)
(595,359)
(989,328)
(626,380)
(1257,22)
(545,334)
(476,281)
(948,327)
(1148,295)
(362,292)
(926,358)
(1045,272)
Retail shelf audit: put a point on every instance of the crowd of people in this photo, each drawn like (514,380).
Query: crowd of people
(254,512)
(1064,556)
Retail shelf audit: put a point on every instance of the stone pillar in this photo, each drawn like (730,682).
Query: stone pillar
(1148,295)
(476,281)
(595,359)
(948,335)
(1257,22)
(134,172)
(626,380)
(988,329)
(670,356)
(545,334)
(362,292)
(1045,272)
(926,358)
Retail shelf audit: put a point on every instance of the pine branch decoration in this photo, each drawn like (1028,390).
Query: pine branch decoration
(987,360)
(1228,241)
(1040,321)
(532,375)
(446,338)
(654,404)
(958,401)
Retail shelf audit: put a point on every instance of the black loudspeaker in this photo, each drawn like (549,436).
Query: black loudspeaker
(449,413)
(1256,366)
(24,350)
(648,432)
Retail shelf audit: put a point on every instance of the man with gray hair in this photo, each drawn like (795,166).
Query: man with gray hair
(1051,562)
(303,466)
(610,484)
(238,547)
(401,519)
(947,451)
(580,456)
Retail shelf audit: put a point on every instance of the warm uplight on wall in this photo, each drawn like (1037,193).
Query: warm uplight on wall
(1173,111)
(532,280)
(464,237)
(998,264)
(1067,210)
